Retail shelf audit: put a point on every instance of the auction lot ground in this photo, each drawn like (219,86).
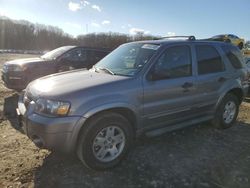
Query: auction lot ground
(198,156)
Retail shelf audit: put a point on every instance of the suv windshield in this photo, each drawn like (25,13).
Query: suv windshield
(56,52)
(128,59)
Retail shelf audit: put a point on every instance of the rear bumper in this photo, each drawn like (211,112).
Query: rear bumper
(53,133)
(248,91)
(14,80)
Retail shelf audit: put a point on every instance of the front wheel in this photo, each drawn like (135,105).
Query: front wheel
(227,112)
(104,141)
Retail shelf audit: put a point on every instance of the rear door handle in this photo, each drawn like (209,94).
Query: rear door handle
(222,79)
(187,85)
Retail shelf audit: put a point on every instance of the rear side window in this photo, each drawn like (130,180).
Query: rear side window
(234,56)
(208,60)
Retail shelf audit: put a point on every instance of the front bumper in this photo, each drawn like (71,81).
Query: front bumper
(14,80)
(53,133)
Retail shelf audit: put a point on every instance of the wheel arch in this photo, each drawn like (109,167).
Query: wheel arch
(125,111)
(235,91)
(238,93)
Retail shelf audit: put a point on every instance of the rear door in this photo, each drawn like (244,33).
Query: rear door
(168,96)
(211,75)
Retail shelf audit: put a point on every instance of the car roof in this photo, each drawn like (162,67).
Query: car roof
(176,41)
(94,48)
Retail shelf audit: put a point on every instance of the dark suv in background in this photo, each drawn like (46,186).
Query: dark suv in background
(143,87)
(18,73)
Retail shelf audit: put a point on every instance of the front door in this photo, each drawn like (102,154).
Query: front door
(169,90)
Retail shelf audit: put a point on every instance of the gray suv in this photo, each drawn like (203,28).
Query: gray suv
(145,87)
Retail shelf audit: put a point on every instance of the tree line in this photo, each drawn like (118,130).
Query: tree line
(24,35)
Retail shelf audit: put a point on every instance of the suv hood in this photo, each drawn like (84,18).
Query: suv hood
(72,81)
(25,61)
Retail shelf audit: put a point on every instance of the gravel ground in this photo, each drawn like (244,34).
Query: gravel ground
(198,156)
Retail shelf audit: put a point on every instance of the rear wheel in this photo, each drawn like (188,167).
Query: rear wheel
(105,141)
(227,112)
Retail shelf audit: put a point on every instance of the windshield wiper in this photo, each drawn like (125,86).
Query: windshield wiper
(104,69)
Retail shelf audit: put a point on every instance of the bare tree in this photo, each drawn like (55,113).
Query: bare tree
(23,35)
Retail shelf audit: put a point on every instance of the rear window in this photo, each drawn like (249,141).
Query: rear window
(208,59)
(233,55)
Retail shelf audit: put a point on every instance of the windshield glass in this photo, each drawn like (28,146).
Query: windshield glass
(128,59)
(56,52)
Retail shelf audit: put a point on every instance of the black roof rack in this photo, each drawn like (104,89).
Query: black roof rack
(170,37)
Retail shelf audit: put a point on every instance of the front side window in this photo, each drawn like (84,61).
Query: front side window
(208,60)
(175,62)
(128,59)
(75,55)
(98,55)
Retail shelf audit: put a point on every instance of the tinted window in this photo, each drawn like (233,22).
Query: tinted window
(234,56)
(208,59)
(98,55)
(175,62)
(76,55)
(233,36)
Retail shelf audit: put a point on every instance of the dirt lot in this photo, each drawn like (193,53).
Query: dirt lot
(198,156)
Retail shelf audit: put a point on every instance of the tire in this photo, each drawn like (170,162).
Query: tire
(226,112)
(115,135)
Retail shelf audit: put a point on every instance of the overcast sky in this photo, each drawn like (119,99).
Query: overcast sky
(202,18)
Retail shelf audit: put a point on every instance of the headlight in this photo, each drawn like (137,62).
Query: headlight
(51,107)
(17,68)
